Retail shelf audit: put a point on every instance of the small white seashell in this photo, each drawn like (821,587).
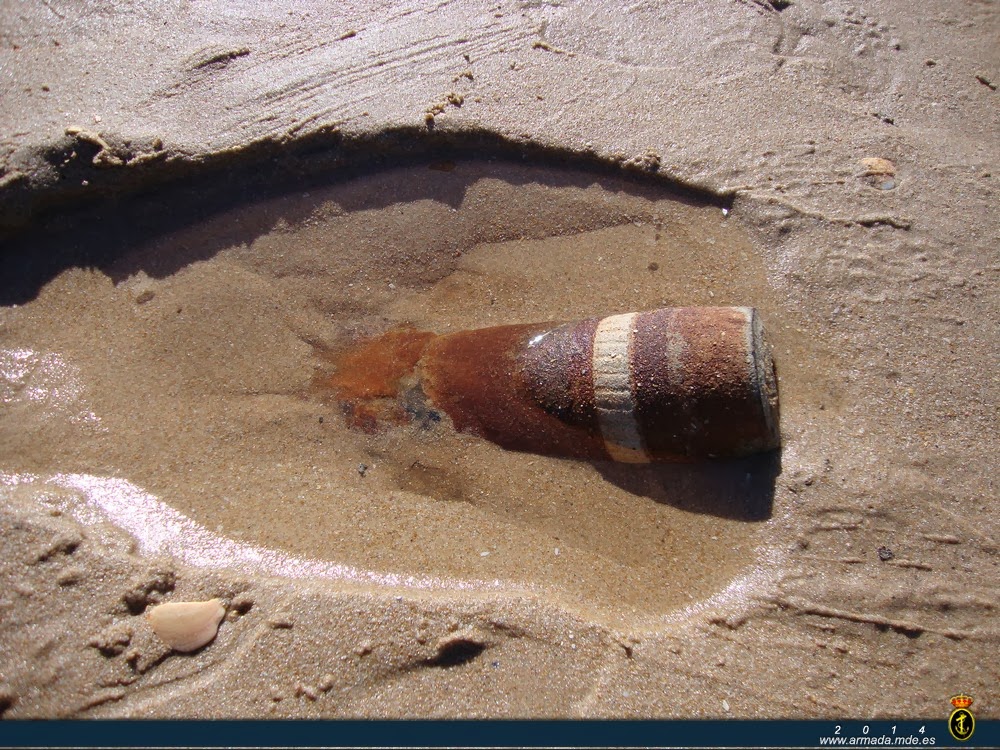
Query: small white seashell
(187,626)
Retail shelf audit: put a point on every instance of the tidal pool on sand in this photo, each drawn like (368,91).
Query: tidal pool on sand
(195,357)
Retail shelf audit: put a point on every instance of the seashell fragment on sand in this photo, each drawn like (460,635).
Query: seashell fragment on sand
(875,165)
(879,173)
(187,626)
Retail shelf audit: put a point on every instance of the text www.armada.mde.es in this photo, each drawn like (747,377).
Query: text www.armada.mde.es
(884,739)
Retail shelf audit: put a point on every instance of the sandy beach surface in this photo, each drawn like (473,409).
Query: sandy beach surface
(203,206)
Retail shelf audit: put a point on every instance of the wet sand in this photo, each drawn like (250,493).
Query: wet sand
(229,346)
(162,438)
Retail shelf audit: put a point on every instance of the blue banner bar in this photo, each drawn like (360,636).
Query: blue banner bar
(260,734)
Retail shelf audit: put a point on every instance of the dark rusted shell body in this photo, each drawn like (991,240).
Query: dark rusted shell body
(666,385)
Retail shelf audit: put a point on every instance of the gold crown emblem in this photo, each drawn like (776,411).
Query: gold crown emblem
(961,700)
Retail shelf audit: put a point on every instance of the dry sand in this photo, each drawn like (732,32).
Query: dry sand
(162,436)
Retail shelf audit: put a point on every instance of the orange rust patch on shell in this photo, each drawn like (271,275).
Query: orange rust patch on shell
(368,377)
(373,369)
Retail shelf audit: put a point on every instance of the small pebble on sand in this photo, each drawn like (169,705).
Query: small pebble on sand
(187,626)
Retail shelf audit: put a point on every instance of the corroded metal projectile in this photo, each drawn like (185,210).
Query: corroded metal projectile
(666,385)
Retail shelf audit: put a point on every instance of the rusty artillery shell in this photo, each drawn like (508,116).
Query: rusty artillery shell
(665,385)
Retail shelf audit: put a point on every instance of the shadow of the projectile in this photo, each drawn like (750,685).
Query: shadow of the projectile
(741,489)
